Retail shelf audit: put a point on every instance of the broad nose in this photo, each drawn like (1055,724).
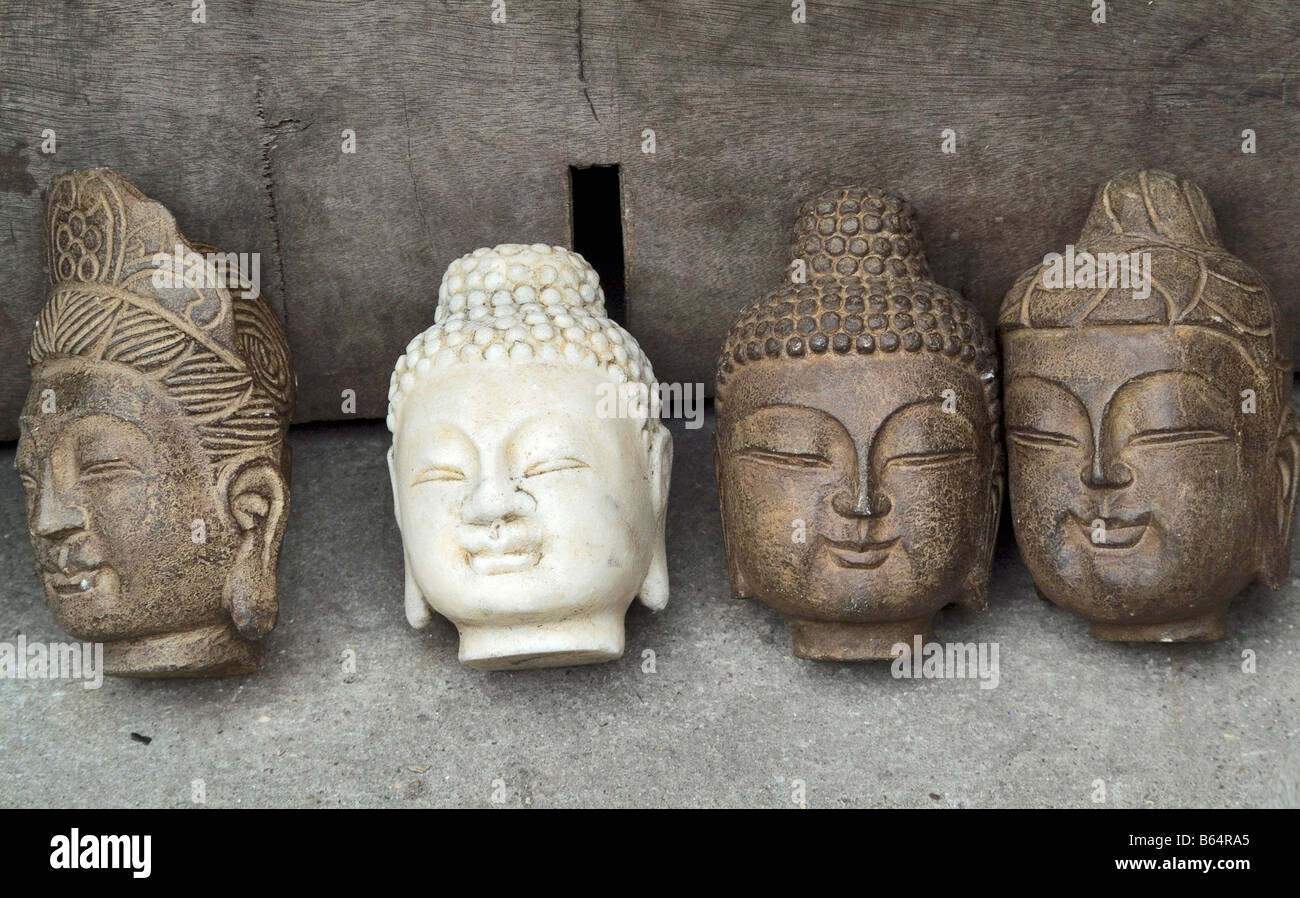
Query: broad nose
(863,497)
(496,499)
(55,516)
(1105,472)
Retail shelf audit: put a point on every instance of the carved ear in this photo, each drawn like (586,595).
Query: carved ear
(739,589)
(977,581)
(392,482)
(418,612)
(258,502)
(654,588)
(1286,464)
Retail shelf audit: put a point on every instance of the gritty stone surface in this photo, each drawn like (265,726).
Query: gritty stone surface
(727,717)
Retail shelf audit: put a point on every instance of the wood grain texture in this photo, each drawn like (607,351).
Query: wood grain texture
(466,129)
(465,133)
(134,87)
(760,113)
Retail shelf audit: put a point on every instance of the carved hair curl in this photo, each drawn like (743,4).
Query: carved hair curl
(239,411)
(522,302)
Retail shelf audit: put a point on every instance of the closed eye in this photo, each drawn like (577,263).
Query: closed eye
(551,465)
(931,459)
(109,467)
(1041,439)
(1178,437)
(435,473)
(788,459)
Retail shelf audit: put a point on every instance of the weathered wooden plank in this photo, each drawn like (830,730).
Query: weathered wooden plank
(752,113)
(140,88)
(465,132)
(466,128)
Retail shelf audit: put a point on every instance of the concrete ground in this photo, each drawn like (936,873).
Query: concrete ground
(727,718)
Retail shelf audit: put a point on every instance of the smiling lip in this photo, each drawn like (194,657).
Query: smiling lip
(488,561)
(69,585)
(860,555)
(1119,534)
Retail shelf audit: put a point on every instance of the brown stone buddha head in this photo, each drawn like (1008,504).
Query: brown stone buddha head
(152,442)
(857,452)
(1152,446)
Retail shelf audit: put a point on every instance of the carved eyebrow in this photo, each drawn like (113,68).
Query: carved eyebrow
(430,452)
(1018,382)
(790,408)
(753,432)
(1014,399)
(966,426)
(1204,383)
(441,429)
(958,415)
(98,445)
(550,425)
(1216,396)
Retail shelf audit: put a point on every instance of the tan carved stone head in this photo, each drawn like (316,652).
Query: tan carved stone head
(152,442)
(1152,446)
(857,450)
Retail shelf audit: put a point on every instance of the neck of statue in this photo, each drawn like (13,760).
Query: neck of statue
(212,651)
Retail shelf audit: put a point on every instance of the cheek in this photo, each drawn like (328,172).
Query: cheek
(586,517)
(430,515)
(1213,474)
(936,501)
(1042,482)
(764,507)
(430,519)
(431,509)
(144,514)
(1198,496)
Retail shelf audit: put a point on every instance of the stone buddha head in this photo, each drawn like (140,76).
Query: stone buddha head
(152,444)
(529,517)
(1152,446)
(857,449)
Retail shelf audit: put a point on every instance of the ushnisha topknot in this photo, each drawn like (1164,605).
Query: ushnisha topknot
(862,232)
(1195,280)
(869,291)
(521,302)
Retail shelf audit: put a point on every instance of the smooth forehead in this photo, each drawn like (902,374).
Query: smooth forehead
(80,388)
(1099,360)
(491,400)
(861,391)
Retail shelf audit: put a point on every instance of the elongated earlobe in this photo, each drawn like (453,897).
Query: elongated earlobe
(418,612)
(1276,567)
(739,589)
(258,502)
(392,483)
(977,581)
(654,588)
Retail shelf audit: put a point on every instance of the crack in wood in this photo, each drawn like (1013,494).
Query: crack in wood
(267,134)
(410,167)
